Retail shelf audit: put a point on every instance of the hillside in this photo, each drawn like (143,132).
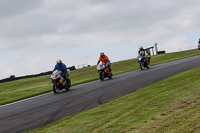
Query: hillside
(25,88)
(171,105)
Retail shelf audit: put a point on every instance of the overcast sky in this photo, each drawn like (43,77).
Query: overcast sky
(36,33)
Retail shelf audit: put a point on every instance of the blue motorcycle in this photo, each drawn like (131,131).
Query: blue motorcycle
(59,82)
(143,62)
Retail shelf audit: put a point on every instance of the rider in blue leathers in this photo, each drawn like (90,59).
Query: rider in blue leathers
(61,67)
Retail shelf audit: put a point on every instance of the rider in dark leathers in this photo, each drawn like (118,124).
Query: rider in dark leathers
(145,53)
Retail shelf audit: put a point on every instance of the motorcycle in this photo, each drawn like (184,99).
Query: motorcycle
(104,71)
(59,82)
(144,63)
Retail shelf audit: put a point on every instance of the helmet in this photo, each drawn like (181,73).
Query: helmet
(59,62)
(102,54)
(141,47)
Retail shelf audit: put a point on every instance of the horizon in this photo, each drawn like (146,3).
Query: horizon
(35,34)
(34,74)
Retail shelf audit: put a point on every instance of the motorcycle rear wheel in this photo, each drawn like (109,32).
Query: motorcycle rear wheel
(68,85)
(148,66)
(110,76)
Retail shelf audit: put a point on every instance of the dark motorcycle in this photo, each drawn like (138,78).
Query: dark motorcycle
(59,82)
(104,72)
(143,61)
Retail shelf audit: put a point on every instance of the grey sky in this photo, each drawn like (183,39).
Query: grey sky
(35,33)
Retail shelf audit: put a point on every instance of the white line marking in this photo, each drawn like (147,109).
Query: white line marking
(25,99)
(38,96)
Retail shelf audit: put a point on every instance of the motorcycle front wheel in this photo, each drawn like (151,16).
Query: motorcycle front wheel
(101,75)
(55,88)
(141,66)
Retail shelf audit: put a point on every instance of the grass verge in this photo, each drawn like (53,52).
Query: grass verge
(171,105)
(25,88)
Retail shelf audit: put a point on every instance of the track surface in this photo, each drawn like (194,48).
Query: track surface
(42,110)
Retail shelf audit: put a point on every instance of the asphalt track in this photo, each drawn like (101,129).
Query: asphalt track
(39,111)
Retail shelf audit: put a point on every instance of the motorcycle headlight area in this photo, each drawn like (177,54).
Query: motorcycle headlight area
(140,58)
(53,76)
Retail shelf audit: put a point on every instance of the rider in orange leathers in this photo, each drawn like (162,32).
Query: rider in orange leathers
(104,58)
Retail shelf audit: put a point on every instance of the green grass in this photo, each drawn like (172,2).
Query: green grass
(171,106)
(24,88)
